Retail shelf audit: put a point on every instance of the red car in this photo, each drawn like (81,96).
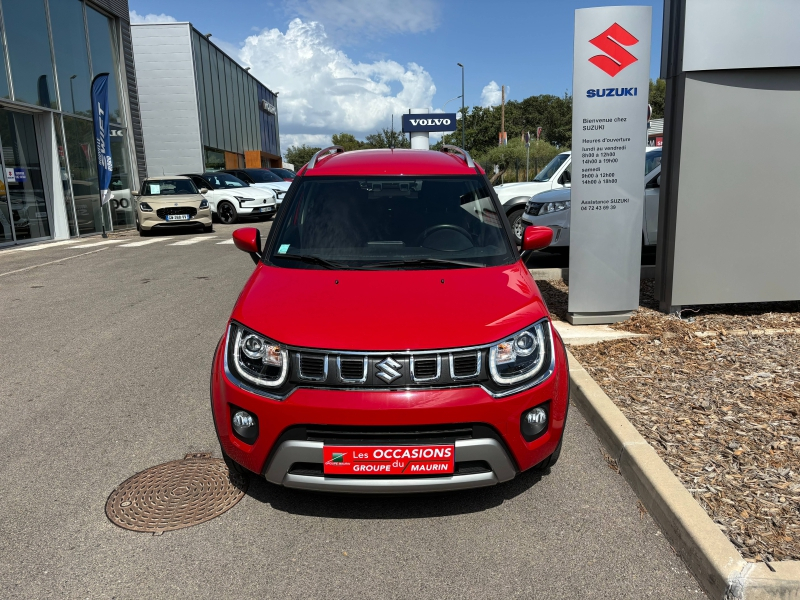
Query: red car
(412,349)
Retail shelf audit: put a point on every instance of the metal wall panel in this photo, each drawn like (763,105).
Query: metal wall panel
(133,100)
(168,98)
(736,214)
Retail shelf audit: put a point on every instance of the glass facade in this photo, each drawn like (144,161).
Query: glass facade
(231,118)
(54,49)
(29,52)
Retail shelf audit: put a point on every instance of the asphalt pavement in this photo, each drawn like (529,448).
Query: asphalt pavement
(105,367)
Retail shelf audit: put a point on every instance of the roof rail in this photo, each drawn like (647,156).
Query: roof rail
(457,150)
(321,153)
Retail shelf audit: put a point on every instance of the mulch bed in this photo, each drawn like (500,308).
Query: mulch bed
(717,394)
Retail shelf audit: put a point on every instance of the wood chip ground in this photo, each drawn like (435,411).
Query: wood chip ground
(717,394)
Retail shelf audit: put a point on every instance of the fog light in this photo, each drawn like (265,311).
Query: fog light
(533,423)
(245,426)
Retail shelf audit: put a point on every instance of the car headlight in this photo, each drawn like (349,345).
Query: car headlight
(203,204)
(520,356)
(551,207)
(279,194)
(257,359)
(145,207)
(243,199)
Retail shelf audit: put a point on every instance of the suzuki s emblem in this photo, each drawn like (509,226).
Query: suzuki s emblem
(616,57)
(388,369)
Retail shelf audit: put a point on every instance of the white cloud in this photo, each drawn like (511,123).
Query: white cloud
(151,18)
(491,95)
(323,91)
(349,21)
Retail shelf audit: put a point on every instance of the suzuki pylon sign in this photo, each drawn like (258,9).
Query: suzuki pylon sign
(611,73)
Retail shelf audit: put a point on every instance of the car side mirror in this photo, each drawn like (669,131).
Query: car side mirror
(203,191)
(248,239)
(566,178)
(536,237)
(658,180)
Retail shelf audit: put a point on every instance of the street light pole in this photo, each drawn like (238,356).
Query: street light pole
(463,115)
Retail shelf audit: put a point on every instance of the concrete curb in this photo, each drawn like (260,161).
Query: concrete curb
(712,558)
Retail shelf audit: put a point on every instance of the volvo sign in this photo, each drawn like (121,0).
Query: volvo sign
(611,73)
(429,122)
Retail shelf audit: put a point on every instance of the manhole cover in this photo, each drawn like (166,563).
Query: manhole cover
(175,495)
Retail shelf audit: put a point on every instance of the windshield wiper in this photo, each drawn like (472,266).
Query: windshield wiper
(414,262)
(317,260)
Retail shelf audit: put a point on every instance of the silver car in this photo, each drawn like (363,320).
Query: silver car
(552,208)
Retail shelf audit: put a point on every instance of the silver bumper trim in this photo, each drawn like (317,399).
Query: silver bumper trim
(294,451)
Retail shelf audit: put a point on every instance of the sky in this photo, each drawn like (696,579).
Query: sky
(349,65)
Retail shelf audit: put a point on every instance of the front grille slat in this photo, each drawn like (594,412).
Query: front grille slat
(313,367)
(465,365)
(176,210)
(389,434)
(353,369)
(425,368)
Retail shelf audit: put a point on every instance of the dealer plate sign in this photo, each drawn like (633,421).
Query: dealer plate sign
(389,460)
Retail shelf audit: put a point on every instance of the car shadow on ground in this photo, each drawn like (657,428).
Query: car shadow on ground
(384,506)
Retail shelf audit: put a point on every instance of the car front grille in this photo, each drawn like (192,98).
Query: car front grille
(406,435)
(466,365)
(313,367)
(176,210)
(353,369)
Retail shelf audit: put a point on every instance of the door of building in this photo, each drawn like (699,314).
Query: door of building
(24,215)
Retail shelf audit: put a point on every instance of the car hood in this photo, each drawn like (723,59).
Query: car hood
(508,191)
(258,193)
(389,310)
(274,185)
(162,201)
(559,195)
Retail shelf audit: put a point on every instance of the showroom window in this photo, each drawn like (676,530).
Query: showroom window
(72,58)
(29,52)
(215,160)
(102,41)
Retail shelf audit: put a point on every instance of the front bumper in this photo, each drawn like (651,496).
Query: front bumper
(505,451)
(558,222)
(149,220)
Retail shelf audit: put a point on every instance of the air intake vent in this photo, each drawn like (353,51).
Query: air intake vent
(465,365)
(313,367)
(426,368)
(353,369)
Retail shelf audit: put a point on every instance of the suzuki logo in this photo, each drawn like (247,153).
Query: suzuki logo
(388,369)
(611,42)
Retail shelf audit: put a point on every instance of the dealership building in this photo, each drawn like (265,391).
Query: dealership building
(49,52)
(200,109)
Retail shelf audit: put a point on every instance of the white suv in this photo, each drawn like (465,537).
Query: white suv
(231,198)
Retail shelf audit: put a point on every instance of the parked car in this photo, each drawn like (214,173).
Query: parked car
(231,198)
(171,201)
(514,196)
(552,209)
(263,178)
(285,174)
(419,356)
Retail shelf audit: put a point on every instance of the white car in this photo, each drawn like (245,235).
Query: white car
(552,208)
(262,178)
(231,198)
(513,196)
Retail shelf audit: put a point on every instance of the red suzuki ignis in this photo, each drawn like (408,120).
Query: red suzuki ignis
(390,338)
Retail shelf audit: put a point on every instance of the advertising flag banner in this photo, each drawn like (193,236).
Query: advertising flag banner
(611,74)
(102,134)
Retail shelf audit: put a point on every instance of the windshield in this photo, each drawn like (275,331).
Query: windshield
(263,176)
(391,223)
(224,180)
(169,187)
(651,160)
(547,173)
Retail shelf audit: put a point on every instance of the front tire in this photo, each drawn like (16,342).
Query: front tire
(227,213)
(208,229)
(145,232)
(517,226)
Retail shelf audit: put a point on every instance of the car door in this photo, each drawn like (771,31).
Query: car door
(652,192)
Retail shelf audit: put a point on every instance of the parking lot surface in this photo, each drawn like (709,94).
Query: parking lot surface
(105,371)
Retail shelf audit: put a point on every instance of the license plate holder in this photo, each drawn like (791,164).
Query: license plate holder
(394,460)
(177,217)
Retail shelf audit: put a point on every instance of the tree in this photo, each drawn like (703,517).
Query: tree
(387,138)
(658,92)
(347,141)
(300,155)
(512,156)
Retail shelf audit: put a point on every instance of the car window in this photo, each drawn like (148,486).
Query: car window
(263,176)
(552,167)
(225,180)
(200,183)
(169,187)
(285,173)
(360,222)
(652,159)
